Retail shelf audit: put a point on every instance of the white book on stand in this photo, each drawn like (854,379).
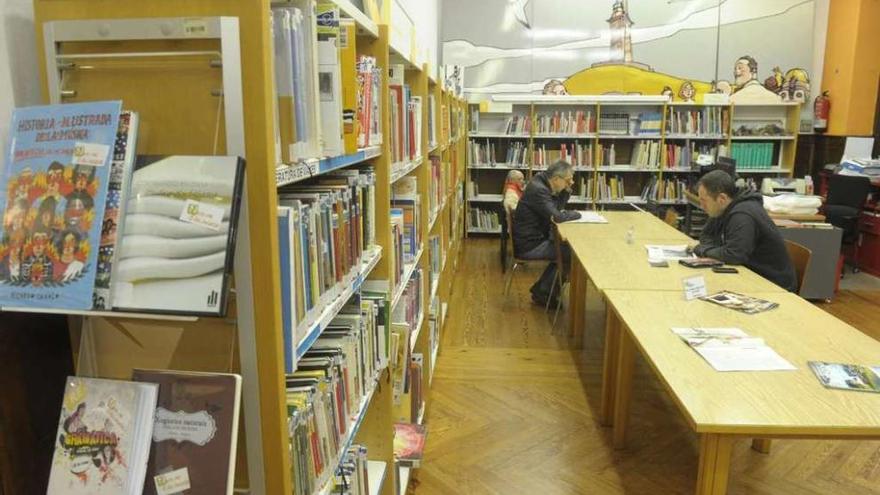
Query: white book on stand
(330,86)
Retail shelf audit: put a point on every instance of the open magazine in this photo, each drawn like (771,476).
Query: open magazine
(731,349)
(739,302)
(666,252)
(847,376)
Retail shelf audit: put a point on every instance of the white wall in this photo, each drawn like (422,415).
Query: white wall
(19,79)
(820,33)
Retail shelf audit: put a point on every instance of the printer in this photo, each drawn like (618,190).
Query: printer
(779,185)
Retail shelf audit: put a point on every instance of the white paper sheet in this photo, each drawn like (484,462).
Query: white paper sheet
(589,217)
(731,349)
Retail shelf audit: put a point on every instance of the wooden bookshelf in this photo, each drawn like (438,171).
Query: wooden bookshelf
(250,341)
(493,115)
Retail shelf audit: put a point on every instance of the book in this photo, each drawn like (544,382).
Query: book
(739,302)
(195,432)
(56,172)
(409,443)
(103,439)
(731,349)
(847,376)
(124,153)
(660,252)
(350,87)
(179,240)
(330,79)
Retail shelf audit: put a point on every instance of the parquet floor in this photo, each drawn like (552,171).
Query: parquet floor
(513,409)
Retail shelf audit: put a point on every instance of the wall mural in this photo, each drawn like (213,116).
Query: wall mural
(681,48)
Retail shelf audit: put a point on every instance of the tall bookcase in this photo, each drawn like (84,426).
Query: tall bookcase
(200,74)
(527,133)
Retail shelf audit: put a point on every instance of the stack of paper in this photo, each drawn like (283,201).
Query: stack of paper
(731,349)
(589,217)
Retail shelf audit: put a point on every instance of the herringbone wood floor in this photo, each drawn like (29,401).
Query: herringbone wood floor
(513,409)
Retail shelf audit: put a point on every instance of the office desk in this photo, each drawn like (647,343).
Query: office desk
(645,226)
(724,407)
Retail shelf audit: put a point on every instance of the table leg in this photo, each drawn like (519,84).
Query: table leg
(714,467)
(576,297)
(623,386)
(609,366)
(761,445)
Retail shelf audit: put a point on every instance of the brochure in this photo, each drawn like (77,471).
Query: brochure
(847,376)
(739,302)
(731,349)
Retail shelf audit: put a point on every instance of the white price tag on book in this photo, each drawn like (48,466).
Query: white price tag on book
(91,154)
(203,214)
(694,287)
(174,482)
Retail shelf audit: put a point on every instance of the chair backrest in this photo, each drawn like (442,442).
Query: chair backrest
(671,217)
(848,190)
(800,257)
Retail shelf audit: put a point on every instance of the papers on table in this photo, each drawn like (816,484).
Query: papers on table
(731,349)
(664,252)
(589,217)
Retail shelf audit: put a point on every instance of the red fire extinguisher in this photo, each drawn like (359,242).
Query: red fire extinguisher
(821,109)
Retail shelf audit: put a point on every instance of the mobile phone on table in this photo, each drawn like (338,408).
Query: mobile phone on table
(724,269)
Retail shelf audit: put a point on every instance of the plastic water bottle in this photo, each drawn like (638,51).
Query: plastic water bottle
(808,185)
(630,235)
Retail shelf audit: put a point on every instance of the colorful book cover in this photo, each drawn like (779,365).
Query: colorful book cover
(409,442)
(56,176)
(195,432)
(103,439)
(176,252)
(114,212)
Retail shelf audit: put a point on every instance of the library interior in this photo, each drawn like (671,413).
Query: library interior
(439,247)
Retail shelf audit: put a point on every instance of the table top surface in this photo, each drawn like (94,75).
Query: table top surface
(614,264)
(777,403)
(645,226)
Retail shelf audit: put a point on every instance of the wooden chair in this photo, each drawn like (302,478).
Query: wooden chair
(559,279)
(671,217)
(514,261)
(800,257)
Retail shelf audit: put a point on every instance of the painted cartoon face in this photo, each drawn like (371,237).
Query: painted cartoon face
(17,218)
(742,72)
(75,211)
(81,181)
(23,187)
(41,240)
(37,274)
(47,218)
(687,91)
(54,177)
(68,245)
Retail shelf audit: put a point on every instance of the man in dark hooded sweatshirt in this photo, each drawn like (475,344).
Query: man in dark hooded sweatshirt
(739,231)
(543,203)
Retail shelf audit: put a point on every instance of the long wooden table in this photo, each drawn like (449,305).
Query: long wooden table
(724,407)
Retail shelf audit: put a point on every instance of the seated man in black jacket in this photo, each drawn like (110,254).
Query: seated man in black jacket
(739,231)
(543,202)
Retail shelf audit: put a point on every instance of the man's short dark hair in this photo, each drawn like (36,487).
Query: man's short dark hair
(560,168)
(717,182)
(753,64)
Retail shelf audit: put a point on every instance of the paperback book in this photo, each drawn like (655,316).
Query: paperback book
(56,173)
(179,240)
(746,304)
(731,349)
(847,376)
(103,438)
(409,443)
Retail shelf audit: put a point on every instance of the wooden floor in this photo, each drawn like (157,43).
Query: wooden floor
(513,409)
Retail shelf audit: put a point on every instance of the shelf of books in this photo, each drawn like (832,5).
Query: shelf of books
(292,239)
(625,149)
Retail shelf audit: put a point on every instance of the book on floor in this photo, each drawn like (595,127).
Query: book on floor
(739,302)
(179,240)
(847,376)
(55,186)
(731,349)
(195,432)
(409,443)
(103,438)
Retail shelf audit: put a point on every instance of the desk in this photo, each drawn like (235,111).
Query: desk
(645,226)
(723,407)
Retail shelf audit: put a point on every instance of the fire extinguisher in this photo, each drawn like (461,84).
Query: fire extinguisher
(821,109)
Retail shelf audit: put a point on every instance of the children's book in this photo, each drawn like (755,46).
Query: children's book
(56,173)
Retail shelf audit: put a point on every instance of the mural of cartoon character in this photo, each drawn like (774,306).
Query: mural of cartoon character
(796,86)
(774,82)
(555,87)
(667,91)
(746,85)
(687,92)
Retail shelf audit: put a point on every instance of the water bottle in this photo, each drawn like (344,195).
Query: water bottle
(808,185)
(630,235)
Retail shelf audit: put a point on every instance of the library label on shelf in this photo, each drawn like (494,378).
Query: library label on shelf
(290,174)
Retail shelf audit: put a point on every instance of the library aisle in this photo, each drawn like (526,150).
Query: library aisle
(514,409)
